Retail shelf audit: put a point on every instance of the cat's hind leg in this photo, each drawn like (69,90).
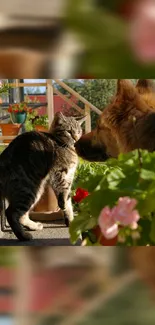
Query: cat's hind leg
(17,215)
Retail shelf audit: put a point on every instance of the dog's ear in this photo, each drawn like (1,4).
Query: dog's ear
(145,86)
(126,89)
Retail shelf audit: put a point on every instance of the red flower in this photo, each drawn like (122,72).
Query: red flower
(80,195)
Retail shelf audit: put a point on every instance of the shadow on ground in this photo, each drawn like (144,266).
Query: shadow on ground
(38,242)
(53,234)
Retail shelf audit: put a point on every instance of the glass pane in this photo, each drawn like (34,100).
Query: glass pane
(34,90)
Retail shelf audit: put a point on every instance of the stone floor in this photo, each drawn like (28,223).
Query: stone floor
(53,234)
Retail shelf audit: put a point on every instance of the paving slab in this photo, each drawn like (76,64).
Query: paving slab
(54,233)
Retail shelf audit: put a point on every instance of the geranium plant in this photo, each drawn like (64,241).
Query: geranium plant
(41,120)
(19,108)
(121,200)
(80,195)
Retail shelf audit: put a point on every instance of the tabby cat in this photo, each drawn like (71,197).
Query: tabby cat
(30,161)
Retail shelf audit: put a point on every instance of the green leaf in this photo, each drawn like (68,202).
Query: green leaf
(146,202)
(147,174)
(98,200)
(81,223)
(144,228)
(90,183)
(89,243)
(115,177)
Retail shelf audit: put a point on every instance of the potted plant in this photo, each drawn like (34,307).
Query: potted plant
(8,129)
(18,112)
(41,123)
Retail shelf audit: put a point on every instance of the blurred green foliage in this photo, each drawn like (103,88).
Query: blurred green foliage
(104,34)
(130,305)
(8,256)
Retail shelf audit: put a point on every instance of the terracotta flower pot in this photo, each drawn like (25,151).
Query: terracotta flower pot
(40,128)
(103,241)
(10,130)
(48,201)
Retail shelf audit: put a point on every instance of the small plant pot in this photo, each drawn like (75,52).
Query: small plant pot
(48,202)
(19,117)
(102,240)
(10,130)
(40,128)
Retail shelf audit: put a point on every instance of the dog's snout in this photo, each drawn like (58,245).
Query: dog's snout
(88,151)
(77,146)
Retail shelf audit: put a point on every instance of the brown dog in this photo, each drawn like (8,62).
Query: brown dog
(126,124)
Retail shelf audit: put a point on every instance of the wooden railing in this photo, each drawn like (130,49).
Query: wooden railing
(51,89)
(78,96)
(88,106)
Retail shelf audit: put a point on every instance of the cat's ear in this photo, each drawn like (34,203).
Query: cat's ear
(80,119)
(58,118)
(57,121)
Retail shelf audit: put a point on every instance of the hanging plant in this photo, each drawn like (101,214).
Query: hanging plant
(18,112)
(4,87)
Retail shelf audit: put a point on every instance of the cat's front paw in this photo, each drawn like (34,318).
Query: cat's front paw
(39,226)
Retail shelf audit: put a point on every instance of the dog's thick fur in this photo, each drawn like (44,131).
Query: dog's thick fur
(126,124)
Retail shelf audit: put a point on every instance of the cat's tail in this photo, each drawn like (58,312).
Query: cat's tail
(16,226)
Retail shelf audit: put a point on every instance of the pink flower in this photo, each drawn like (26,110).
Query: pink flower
(122,214)
(108,226)
(142,31)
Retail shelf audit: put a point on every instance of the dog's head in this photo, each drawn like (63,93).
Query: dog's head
(98,145)
(105,140)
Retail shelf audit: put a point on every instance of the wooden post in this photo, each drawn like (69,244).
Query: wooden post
(88,119)
(50,101)
(16,90)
